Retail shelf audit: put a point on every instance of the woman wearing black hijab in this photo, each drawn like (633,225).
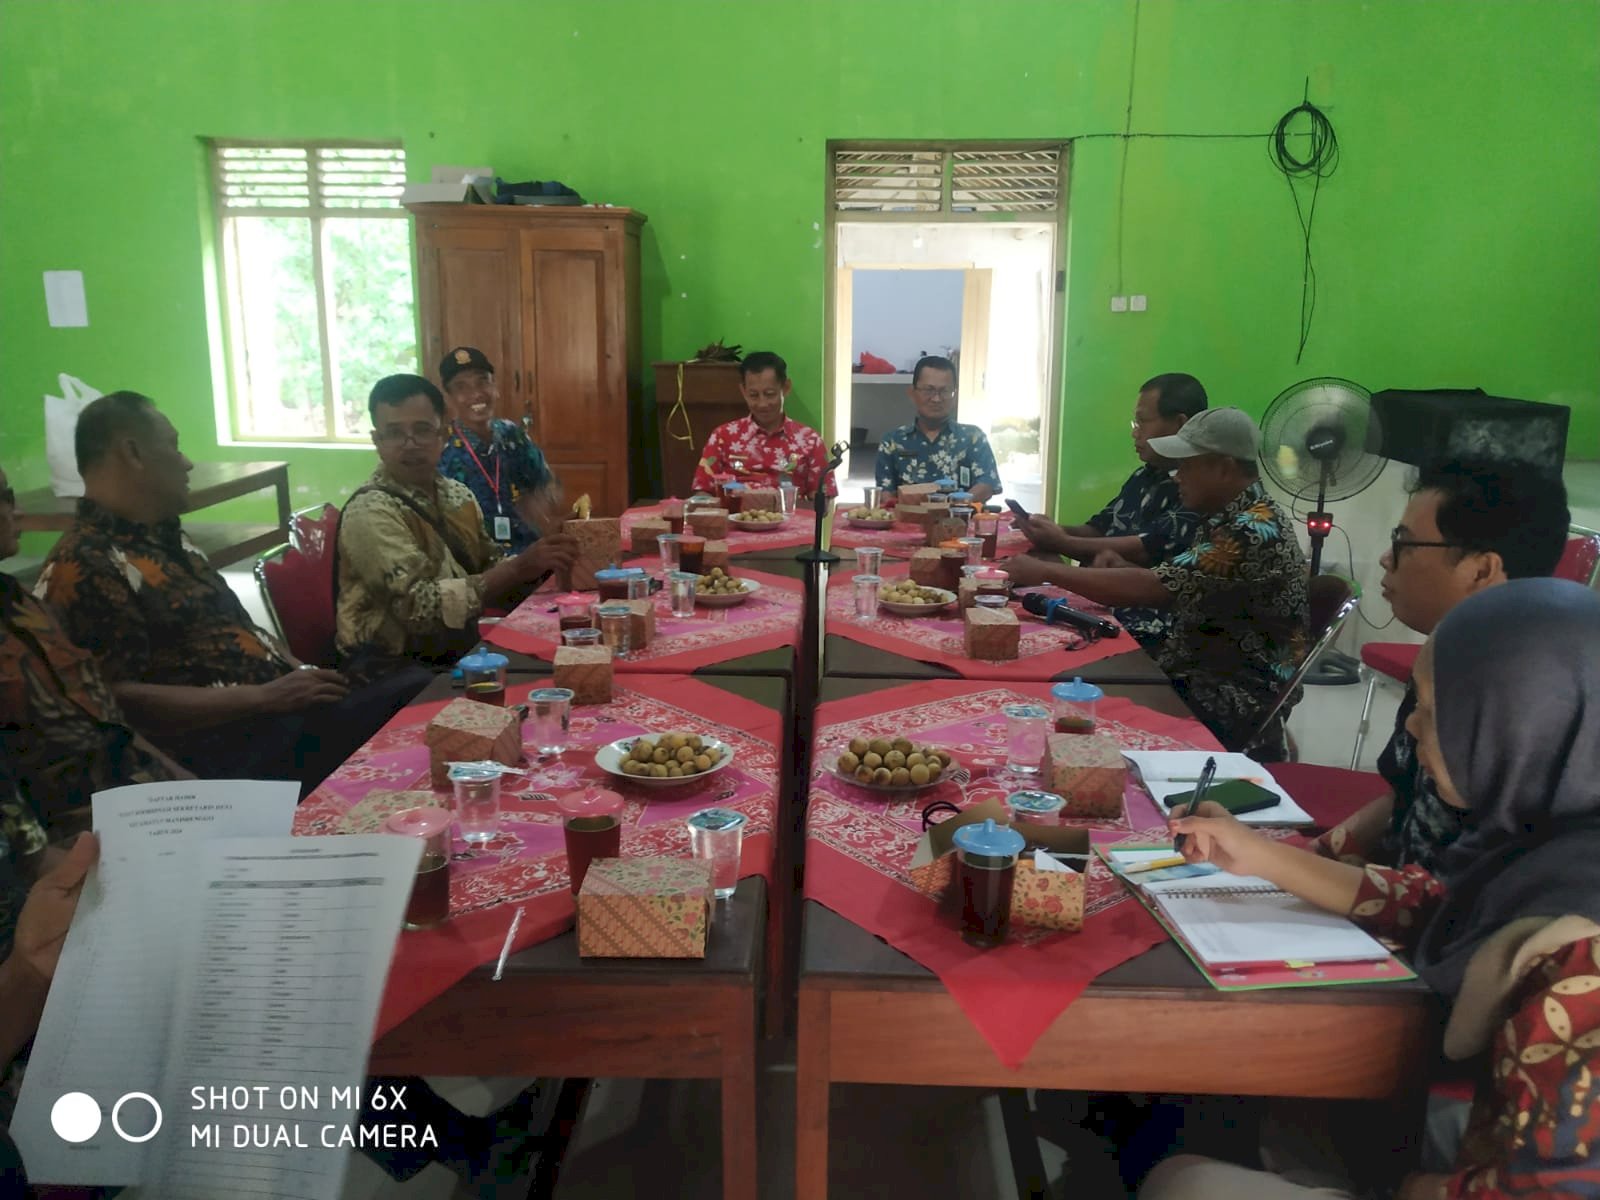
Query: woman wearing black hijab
(1508,722)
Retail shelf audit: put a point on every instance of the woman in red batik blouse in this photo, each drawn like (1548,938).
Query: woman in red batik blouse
(1508,723)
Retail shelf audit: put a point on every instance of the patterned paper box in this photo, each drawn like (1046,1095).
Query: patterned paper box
(941,529)
(992,635)
(761,500)
(916,493)
(644,908)
(1048,899)
(927,566)
(1088,770)
(641,624)
(642,537)
(967,592)
(708,522)
(368,814)
(716,554)
(467,731)
(599,545)
(913,514)
(586,670)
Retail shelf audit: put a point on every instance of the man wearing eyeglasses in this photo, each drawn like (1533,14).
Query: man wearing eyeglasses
(416,565)
(185,661)
(1467,527)
(934,446)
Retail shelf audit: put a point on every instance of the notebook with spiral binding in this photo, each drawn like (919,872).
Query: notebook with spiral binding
(1243,932)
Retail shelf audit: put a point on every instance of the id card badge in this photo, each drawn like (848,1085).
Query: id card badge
(965,477)
(502,529)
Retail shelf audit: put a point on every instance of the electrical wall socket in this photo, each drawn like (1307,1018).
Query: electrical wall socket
(1137,303)
(1119,304)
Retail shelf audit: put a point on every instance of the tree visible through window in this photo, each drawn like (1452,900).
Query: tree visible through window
(316,283)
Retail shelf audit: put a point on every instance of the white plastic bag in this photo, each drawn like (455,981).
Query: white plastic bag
(60,424)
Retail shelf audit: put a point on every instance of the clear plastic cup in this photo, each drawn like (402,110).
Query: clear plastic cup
(477,800)
(680,588)
(867,596)
(869,559)
(614,620)
(549,719)
(974,548)
(788,494)
(669,544)
(639,585)
(1027,731)
(716,835)
(587,636)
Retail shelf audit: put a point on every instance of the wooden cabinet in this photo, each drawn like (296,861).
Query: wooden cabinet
(551,295)
(709,397)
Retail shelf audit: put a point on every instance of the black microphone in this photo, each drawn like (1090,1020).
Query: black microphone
(1058,612)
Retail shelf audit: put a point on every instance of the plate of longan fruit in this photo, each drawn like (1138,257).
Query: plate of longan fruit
(665,759)
(717,589)
(906,598)
(894,764)
(757,519)
(871,518)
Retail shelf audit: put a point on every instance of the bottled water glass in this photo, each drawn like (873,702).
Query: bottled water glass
(549,719)
(681,586)
(477,797)
(1027,728)
(867,596)
(716,835)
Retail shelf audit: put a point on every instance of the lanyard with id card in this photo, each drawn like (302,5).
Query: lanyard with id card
(502,523)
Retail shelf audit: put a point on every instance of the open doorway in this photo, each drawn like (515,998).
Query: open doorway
(950,251)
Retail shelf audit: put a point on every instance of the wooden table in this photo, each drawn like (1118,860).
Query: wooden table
(869,1014)
(554,1013)
(224,543)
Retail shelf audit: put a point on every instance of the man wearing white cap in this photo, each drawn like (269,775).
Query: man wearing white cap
(1237,595)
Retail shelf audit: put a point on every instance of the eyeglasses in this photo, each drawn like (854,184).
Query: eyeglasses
(1397,543)
(395,436)
(933,393)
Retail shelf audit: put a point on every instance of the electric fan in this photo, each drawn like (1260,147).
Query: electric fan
(1319,440)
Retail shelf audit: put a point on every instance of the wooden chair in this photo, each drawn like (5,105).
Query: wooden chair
(296,581)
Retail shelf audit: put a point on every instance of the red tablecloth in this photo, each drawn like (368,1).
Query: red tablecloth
(526,864)
(861,844)
(766,621)
(796,531)
(1044,651)
(903,539)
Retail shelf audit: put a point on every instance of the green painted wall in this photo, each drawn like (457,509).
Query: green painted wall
(1456,245)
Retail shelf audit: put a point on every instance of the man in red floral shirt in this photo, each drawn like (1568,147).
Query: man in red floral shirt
(768,443)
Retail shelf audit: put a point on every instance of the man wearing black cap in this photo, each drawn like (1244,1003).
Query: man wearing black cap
(500,465)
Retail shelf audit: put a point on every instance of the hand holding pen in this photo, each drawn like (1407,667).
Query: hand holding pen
(1200,789)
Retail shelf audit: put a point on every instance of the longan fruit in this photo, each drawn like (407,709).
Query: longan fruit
(915,759)
(660,755)
(919,774)
(872,759)
(935,769)
(683,754)
(674,771)
(881,746)
(903,745)
(900,776)
(864,773)
(859,746)
(848,763)
(702,763)
(657,771)
(894,760)
(697,742)
(882,776)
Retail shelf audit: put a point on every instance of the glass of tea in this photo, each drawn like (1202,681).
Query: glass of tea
(430,891)
(672,513)
(591,822)
(1075,704)
(572,610)
(692,554)
(483,676)
(986,872)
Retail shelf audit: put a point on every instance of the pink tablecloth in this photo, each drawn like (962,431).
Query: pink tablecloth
(526,863)
(766,621)
(860,845)
(1046,651)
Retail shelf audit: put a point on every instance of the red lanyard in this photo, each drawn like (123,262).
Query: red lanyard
(494,483)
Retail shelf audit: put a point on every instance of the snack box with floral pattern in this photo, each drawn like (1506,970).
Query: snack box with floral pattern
(599,545)
(1047,899)
(467,731)
(644,908)
(707,522)
(642,537)
(1088,771)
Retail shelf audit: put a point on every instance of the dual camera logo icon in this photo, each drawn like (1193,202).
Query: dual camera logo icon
(75,1117)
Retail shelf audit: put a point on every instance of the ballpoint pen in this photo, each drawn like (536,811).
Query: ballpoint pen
(1200,789)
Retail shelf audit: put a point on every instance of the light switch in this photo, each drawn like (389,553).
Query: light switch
(1119,304)
(1137,303)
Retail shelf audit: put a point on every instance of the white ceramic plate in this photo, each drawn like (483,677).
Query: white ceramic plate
(920,610)
(954,773)
(609,759)
(751,587)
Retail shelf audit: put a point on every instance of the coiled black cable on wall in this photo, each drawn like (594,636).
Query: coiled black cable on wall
(1319,160)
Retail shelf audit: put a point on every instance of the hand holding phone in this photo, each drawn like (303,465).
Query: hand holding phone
(1017,510)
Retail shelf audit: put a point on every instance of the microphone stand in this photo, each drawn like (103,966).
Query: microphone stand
(820,503)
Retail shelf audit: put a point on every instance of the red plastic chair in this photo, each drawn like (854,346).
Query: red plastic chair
(1580,562)
(1328,794)
(296,582)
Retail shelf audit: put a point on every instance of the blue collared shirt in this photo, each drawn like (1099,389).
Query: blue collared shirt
(1148,507)
(959,452)
(509,457)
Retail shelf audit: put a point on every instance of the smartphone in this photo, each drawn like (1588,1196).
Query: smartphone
(1020,512)
(1238,796)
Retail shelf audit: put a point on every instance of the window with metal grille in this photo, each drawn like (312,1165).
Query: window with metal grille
(953,179)
(315,259)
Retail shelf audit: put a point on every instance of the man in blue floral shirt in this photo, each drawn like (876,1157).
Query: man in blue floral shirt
(504,470)
(1145,524)
(1236,595)
(933,446)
